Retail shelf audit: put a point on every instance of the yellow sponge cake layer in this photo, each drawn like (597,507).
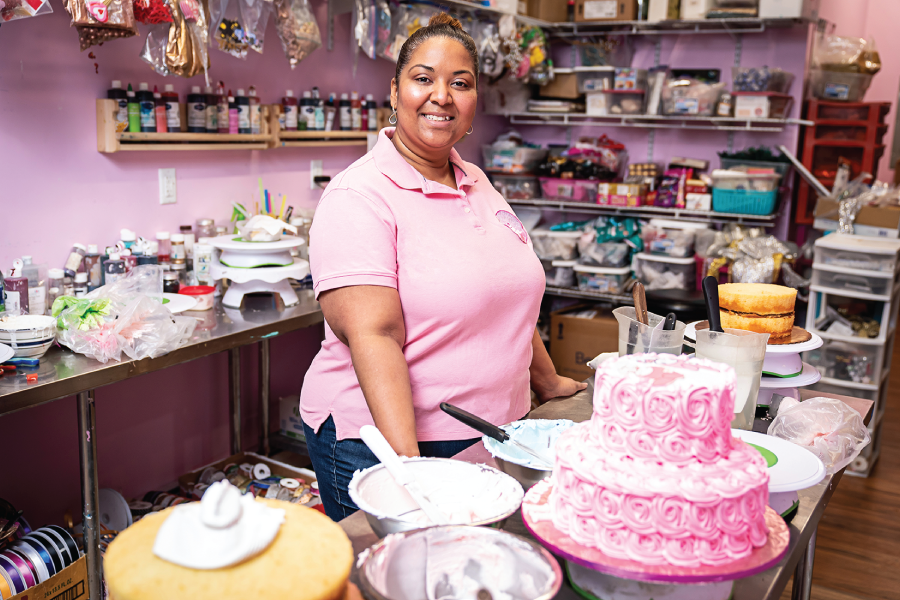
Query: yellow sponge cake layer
(310,559)
(757,298)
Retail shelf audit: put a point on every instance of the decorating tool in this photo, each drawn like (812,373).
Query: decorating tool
(669,324)
(640,303)
(401,474)
(492,431)
(711,295)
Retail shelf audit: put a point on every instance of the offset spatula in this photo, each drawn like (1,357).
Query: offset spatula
(492,431)
(711,295)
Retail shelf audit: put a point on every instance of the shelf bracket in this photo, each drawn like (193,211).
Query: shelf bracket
(730,142)
(336,8)
(651,139)
(657,52)
(738,49)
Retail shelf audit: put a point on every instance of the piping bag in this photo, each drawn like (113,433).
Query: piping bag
(492,431)
(399,471)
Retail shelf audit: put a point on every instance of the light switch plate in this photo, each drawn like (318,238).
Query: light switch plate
(167,190)
(315,170)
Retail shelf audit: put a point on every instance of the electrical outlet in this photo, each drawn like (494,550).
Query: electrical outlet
(315,170)
(167,191)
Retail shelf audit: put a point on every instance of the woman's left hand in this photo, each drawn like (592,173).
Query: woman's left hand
(557,387)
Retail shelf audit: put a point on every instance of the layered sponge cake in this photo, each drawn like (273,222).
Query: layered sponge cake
(758,307)
(656,476)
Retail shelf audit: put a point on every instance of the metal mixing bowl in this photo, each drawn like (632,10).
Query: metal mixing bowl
(524,475)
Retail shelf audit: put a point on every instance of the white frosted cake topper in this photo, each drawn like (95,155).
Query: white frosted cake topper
(223,529)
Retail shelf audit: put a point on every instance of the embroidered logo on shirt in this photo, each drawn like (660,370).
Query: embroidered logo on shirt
(510,220)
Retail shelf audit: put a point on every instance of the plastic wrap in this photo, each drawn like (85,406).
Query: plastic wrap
(826,427)
(405,21)
(297,28)
(126,316)
(12,10)
(364,26)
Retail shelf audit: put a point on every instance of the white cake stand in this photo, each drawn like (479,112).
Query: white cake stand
(249,255)
(273,280)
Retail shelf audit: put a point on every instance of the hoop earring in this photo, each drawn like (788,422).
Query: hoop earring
(393,118)
(471,129)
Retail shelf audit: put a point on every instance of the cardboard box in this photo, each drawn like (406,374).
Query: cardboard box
(555,11)
(574,341)
(789,9)
(751,107)
(621,194)
(289,421)
(605,10)
(564,85)
(692,10)
(187,481)
(698,201)
(872,221)
(663,10)
(68,584)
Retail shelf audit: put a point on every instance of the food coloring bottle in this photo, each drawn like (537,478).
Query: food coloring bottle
(173,110)
(113,269)
(289,105)
(17,290)
(73,262)
(330,111)
(212,110)
(243,112)
(355,112)
(159,108)
(344,110)
(118,94)
(232,114)
(255,124)
(148,108)
(164,250)
(372,109)
(318,111)
(196,111)
(134,111)
(222,109)
(93,267)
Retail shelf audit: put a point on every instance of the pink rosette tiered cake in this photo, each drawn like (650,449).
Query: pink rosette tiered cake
(656,476)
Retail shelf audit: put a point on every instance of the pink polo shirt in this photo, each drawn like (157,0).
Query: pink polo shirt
(470,289)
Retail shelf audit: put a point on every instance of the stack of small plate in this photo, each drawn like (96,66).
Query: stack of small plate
(30,336)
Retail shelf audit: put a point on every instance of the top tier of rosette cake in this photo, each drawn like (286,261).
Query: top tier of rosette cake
(664,407)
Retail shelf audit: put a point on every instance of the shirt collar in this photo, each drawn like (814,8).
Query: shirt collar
(395,167)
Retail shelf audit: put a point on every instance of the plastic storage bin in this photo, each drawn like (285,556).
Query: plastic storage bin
(743,202)
(853,280)
(660,272)
(555,245)
(561,274)
(625,102)
(762,105)
(572,190)
(844,391)
(857,252)
(838,86)
(606,254)
(602,279)
(670,238)
(512,160)
(517,187)
(779,167)
(854,363)
(755,79)
(738,180)
(595,79)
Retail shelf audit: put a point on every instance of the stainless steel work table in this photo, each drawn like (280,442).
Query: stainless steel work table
(769,585)
(63,373)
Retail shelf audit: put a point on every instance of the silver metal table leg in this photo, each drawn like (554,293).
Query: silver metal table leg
(234,397)
(87,452)
(802,586)
(264,397)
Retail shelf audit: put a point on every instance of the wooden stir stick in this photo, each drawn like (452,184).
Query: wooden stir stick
(640,303)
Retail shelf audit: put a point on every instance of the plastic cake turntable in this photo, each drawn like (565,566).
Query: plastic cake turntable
(258,267)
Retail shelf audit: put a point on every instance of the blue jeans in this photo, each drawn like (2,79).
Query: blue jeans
(335,461)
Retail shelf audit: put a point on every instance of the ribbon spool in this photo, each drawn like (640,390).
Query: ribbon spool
(41,552)
(25,569)
(13,576)
(261,471)
(54,545)
(49,549)
(68,540)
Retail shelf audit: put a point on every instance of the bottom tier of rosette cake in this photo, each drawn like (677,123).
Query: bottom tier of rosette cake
(687,515)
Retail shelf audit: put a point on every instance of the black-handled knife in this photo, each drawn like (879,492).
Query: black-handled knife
(711,295)
(669,325)
(492,431)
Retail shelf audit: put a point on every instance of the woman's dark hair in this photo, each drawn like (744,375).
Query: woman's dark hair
(440,25)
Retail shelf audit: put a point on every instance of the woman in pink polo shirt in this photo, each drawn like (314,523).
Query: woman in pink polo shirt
(428,282)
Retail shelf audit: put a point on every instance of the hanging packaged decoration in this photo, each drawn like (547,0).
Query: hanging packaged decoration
(12,10)
(256,17)
(179,48)
(229,31)
(98,21)
(405,20)
(297,29)
(152,12)
(372,26)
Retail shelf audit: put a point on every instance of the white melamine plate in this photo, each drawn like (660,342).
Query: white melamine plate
(6,353)
(795,468)
(234,242)
(809,376)
(179,302)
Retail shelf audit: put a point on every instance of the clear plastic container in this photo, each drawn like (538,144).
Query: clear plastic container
(512,160)
(517,187)
(595,80)
(838,86)
(555,245)
(204,228)
(660,272)
(854,363)
(561,274)
(853,280)
(625,102)
(606,254)
(738,180)
(571,190)
(637,338)
(857,252)
(602,279)
(756,79)
(670,238)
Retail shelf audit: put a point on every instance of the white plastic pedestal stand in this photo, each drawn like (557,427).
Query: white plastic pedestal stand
(272,280)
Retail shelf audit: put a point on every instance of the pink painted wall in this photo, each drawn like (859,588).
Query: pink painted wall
(873,19)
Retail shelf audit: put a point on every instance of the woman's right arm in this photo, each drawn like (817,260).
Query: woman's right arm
(368,320)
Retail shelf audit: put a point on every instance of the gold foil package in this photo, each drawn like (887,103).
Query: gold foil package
(179,48)
(99,21)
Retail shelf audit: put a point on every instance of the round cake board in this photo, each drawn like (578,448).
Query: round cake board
(808,376)
(801,340)
(594,585)
(791,467)
(784,503)
(535,516)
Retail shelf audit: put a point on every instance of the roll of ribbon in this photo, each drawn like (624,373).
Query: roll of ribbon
(261,471)
(67,539)
(25,567)
(39,557)
(5,585)
(38,541)
(15,578)
(139,508)
(50,541)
